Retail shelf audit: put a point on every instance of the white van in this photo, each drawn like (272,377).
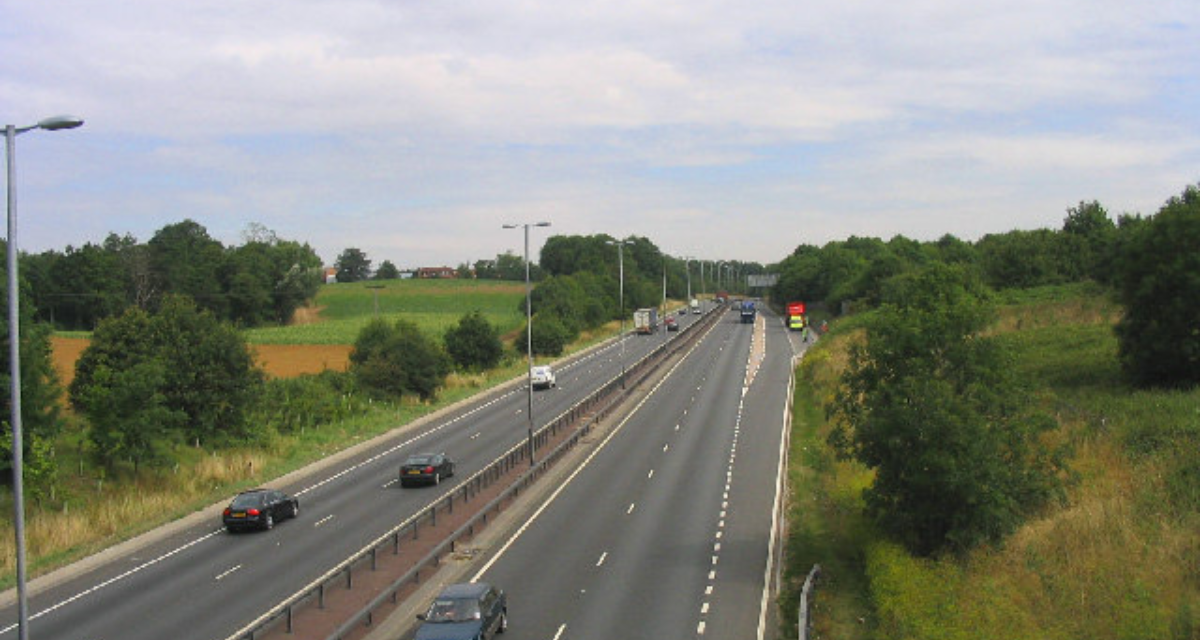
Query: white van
(542,377)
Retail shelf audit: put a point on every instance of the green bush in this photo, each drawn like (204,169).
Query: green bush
(291,405)
(474,343)
(549,337)
(1158,272)
(390,360)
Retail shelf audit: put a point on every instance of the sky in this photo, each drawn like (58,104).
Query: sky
(722,130)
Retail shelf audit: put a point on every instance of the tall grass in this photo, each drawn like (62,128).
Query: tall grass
(1120,558)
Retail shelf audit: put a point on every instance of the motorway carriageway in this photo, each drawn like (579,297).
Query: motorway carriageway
(192,580)
(668,527)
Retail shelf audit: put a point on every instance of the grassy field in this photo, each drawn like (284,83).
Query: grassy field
(94,508)
(341,310)
(1119,559)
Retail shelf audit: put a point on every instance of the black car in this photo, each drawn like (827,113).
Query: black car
(259,509)
(425,468)
(469,611)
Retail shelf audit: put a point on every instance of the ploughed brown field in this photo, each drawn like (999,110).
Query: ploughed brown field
(278,360)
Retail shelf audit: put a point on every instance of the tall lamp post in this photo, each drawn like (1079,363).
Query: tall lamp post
(528,326)
(14,355)
(687,269)
(621,271)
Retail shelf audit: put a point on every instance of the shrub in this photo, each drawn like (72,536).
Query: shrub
(474,344)
(391,360)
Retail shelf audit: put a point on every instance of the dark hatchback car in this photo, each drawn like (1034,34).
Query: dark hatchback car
(425,468)
(259,509)
(469,611)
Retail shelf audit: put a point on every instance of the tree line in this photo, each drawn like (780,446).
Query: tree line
(582,287)
(353,265)
(262,281)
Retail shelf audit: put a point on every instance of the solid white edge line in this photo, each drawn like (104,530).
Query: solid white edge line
(780,475)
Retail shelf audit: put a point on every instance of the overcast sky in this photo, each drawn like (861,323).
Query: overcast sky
(412,129)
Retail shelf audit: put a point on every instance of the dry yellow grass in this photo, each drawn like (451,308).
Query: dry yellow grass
(1095,568)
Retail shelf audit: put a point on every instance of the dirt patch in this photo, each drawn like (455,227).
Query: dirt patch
(64,352)
(278,360)
(306,315)
(290,360)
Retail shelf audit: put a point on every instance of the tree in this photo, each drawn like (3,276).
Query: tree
(549,337)
(41,421)
(1088,238)
(390,360)
(510,266)
(268,281)
(129,415)
(187,261)
(936,411)
(81,286)
(1022,259)
(1158,279)
(473,343)
(387,271)
(201,367)
(353,266)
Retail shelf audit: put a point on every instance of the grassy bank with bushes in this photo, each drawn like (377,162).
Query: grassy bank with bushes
(1119,558)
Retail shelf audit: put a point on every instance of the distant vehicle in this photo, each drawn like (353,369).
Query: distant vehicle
(695,305)
(683,311)
(795,316)
(259,509)
(748,312)
(470,611)
(645,320)
(672,323)
(426,468)
(542,377)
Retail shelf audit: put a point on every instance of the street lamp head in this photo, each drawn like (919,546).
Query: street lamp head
(542,224)
(509,226)
(54,123)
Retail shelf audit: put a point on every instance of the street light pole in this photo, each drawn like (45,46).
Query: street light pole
(528,327)
(621,271)
(14,356)
(687,267)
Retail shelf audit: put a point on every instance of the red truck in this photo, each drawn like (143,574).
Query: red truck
(795,316)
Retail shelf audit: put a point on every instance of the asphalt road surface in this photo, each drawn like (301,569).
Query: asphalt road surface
(667,529)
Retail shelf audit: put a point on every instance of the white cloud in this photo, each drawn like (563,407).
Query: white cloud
(712,127)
